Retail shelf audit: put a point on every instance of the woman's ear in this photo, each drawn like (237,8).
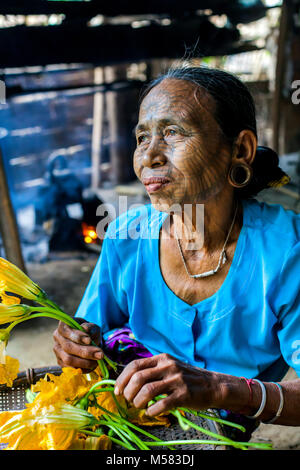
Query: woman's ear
(244,147)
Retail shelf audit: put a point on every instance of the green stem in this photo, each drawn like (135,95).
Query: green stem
(60,315)
(144,432)
(223,438)
(130,435)
(129,424)
(121,410)
(240,445)
(120,443)
(182,424)
(97,384)
(187,442)
(212,418)
(123,432)
(123,428)
(117,441)
(123,435)
(45,301)
(107,389)
(201,429)
(64,317)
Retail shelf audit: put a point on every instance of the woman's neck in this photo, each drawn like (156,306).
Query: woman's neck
(202,228)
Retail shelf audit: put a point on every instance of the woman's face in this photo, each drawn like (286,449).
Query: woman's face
(180,144)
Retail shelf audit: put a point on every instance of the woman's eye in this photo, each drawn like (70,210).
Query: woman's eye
(170,132)
(141,138)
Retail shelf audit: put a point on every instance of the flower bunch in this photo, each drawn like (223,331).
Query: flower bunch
(14,285)
(80,411)
(76,410)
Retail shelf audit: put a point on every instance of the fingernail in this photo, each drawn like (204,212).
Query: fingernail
(117,391)
(98,355)
(86,340)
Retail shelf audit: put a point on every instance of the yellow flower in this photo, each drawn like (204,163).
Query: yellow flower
(81,442)
(106,400)
(16,282)
(66,416)
(9,371)
(7,415)
(11,313)
(7,299)
(4,337)
(53,428)
(69,386)
(137,416)
(56,439)
(102,442)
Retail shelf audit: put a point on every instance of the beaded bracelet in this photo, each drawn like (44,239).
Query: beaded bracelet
(263,400)
(280,405)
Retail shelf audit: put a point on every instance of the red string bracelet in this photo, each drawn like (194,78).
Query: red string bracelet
(249,382)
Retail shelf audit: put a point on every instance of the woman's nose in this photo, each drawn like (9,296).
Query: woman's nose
(154,155)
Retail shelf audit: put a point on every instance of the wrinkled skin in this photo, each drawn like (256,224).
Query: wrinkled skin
(73,348)
(178,136)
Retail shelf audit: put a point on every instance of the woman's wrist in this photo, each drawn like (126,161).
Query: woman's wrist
(244,396)
(233,393)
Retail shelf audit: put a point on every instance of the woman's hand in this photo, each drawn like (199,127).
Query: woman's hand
(73,348)
(185,385)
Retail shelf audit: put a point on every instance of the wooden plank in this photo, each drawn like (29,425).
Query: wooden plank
(116,8)
(280,76)
(111,44)
(122,111)
(98,120)
(8,225)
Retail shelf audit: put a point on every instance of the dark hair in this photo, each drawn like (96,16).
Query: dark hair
(235,111)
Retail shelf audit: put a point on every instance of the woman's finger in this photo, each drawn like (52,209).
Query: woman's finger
(132,368)
(151,390)
(139,380)
(77,336)
(93,331)
(67,360)
(163,405)
(85,352)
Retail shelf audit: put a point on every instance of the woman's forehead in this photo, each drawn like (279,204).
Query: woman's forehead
(175,97)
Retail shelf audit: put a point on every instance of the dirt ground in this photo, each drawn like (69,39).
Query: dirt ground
(65,281)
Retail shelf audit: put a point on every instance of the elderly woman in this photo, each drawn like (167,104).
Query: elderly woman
(211,310)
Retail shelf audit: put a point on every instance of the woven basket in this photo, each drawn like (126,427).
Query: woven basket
(13,398)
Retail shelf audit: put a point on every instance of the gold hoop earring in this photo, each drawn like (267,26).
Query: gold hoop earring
(239,175)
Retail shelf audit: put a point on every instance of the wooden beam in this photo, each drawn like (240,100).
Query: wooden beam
(279,76)
(8,224)
(98,119)
(121,116)
(22,46)
(115,8)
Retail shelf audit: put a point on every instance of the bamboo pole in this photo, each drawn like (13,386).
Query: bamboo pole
(98,117)
(280,74)
(8,224)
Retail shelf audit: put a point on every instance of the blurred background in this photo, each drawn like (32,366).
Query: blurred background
(71,75)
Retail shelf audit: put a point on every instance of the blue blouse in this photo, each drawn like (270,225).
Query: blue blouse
(249,327)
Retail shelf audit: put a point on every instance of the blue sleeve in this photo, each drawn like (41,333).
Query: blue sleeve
(104,301)
(288,295)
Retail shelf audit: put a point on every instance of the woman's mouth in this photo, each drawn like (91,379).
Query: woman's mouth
(155,184)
